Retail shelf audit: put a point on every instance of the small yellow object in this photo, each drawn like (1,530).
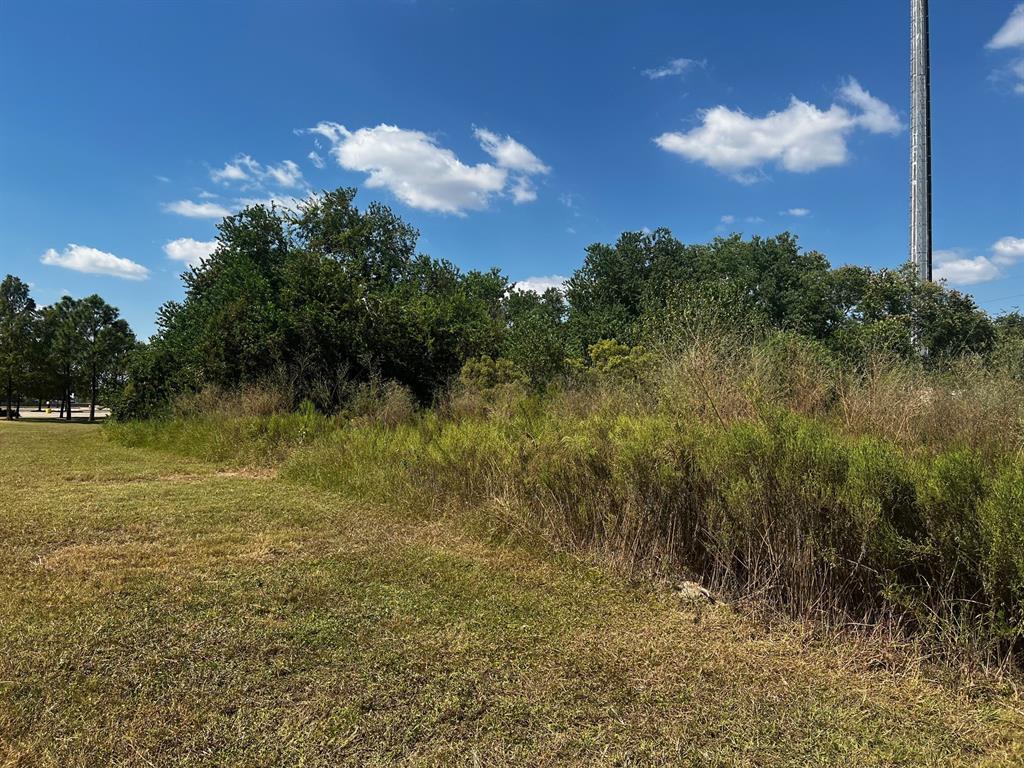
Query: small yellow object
(48,410)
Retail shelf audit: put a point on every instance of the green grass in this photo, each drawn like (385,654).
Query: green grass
(156,610)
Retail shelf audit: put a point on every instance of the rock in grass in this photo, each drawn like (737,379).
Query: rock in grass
(691,591)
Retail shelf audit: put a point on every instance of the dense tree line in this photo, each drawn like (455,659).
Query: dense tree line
(331,296)
(771,283)
(49,353)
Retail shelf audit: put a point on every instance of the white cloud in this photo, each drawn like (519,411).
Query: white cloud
(287,174)
(206,195)
(674,68)
(509,153)
(424,175)
(800,138)
(197,210)
(875,115)
(1011,34)
(957,269)
(81,258)
(798,212)
(230,172)
(1014,72)
(164,179)
(190,251)
(541,284)
(287,202)
(728,218)
(754,220)
(523,190)
(1008,250)
(244,169)
(316,159)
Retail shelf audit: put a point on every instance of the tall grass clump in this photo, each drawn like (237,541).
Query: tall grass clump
(879,495)
(252,426)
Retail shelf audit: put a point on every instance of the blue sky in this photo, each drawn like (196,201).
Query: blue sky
(510,134)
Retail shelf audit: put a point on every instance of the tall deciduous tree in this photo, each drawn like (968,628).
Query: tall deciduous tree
(105,340)
(17,314)
(322,298)
(61,321)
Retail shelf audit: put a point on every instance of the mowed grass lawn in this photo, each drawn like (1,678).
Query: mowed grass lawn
(159,611)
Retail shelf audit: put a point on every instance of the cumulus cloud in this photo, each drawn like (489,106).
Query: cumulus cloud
(1011,34)
(244,169)
(424,175)
(195,210)
(798,212)
(231,172)
(674,68)
(81,258)
(1008,250)
(287,174)
(541,283)
(191,252)
(960,268)
(523,190)
(801,138)
(875,115)
(509,153)
(316,159)
(728,218)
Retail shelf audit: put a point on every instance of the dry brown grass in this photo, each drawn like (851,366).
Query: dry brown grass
(230,620)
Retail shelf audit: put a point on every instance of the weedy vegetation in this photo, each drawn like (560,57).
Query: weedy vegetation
(360,507)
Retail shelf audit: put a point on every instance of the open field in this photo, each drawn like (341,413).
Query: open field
(156,610)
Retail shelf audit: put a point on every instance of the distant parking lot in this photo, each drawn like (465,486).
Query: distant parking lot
(78,412)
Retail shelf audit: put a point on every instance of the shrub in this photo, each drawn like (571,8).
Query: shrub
(891,496)
(386,404)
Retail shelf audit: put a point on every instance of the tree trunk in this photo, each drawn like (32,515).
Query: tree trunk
(92,397)
(10,387)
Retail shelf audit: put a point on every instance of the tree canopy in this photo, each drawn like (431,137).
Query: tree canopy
(329,296)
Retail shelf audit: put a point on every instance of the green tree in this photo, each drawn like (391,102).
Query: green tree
(535,339)
(322,299)
(63,334)
(17,317)
(606,294)
(105,341)
(617,286)
(891,310)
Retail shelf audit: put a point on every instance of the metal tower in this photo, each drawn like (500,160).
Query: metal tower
(920,142)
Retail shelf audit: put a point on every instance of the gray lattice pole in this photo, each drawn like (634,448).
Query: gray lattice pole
(920,142)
